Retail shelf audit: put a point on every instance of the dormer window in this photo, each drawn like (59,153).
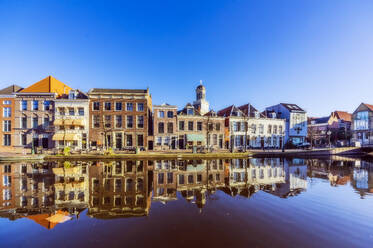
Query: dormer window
(256,114)
(73,94)
(273,115)
(190,111)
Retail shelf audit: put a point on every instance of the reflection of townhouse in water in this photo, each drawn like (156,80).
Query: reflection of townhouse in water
(295,178)
(26,185)
(118,189)
(192,178)
(247,176)
(362,179)
(71,184)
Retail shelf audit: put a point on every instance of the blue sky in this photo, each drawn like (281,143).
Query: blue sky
(317,54)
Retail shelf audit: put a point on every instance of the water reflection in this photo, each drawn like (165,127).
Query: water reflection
(50,193)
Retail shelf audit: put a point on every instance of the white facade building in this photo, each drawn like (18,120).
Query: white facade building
(72,121)
(296,121)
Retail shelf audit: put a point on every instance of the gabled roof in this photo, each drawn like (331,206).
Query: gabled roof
(369,106)
(343,115)
(249,110)
(292,107)
(211,113)
(321,120)
(228,111)
(11,89)
(48,85)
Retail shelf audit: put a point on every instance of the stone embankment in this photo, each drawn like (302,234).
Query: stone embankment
(184,155)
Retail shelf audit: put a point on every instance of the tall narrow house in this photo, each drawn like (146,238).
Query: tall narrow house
(7,101)
(34,113)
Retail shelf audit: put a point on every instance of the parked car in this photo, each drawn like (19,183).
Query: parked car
(304,145)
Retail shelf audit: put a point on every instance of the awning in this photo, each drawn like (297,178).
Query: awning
(58,136)
(71,136)
(195,137)
(68,122)
(78,123)
(58,122)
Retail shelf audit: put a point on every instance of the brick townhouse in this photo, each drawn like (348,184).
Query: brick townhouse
(119,118)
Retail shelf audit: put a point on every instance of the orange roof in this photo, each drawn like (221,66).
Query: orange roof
(41,219)
(48,85)
(343,115)
(369,106)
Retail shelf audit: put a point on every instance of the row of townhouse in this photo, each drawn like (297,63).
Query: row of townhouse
(343,127)
(50,114)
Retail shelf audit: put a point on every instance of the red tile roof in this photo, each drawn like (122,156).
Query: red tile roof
(343,115)
(369,106)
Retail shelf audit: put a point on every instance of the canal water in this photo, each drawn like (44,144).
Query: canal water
(259,202)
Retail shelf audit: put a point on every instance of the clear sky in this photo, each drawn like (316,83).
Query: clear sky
(318,54)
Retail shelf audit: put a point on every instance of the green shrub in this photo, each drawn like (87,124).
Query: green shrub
(66,151)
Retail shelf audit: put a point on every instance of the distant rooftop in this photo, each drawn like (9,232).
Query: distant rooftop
(292,107)
(11,89)
(133,91)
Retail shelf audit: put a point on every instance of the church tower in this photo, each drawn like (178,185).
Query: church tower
(201,104)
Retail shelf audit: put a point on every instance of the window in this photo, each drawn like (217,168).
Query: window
(181,179)
(129,121)
(140,121)
(140,107)
(199,178)
(96,121)
(7,126)
(47,105)
(190,125)
(280,129)
(159,141)
(35,122)
(210,126)
(24,122)
(96,105)
(269,130)
(140,140)
(107,105)
(190,179)
(6,140)
(161,114)
(46,122)
(129,106)
(217,127)
(160,127)
(199,126)
(181,125)
(118,106)
(190,111)
(361,120)
(71,111)
(7,112)
(235,126)
(261,128)
(81,111)
(23,105)
(215,139)
(129,139)
(6,102)
(23,139)
(118,121)
(166,141)
(170,114)
(160,178)
(170,177)
(275,129)
(107,121)
(35,105)
(170,127)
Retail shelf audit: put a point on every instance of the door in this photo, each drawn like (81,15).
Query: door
(44,142)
